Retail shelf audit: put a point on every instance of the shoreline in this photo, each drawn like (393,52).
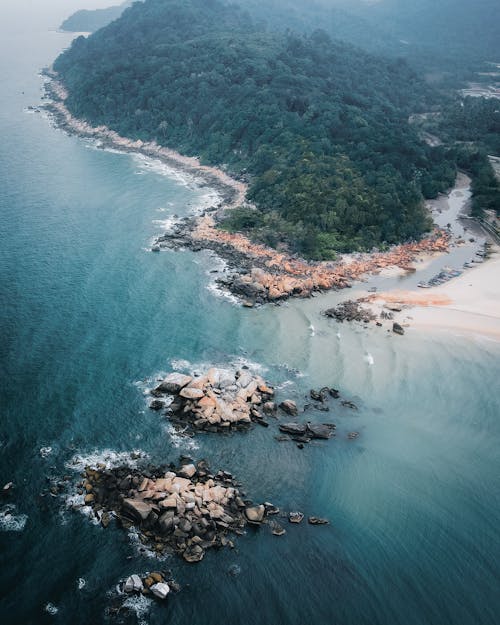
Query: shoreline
(468,304)
(259,274)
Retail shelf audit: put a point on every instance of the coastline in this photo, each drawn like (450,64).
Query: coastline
(259,274)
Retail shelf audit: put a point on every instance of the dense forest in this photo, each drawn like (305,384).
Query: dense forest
(320,128)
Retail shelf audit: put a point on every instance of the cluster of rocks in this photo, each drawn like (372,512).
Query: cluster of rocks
(156,584)
(351,310)
(303,433)
(218,401)
(184,510)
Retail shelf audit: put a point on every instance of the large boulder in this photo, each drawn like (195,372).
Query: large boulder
(160,590)
(255,514)
(290,407)
(174,382)
(296,429)
(194,553)
(187,471)
(269,408)
(320,430)
(192,393)
(133,584)
(139,510)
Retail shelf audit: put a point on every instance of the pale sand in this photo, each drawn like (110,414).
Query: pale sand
(467,304)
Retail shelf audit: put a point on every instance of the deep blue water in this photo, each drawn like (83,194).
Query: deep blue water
(87,313)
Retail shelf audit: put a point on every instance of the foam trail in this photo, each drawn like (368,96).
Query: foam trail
(368,358)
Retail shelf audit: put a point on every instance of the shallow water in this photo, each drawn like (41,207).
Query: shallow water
(89,318)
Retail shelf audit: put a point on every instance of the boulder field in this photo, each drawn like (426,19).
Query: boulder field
(184,510)
(218,401)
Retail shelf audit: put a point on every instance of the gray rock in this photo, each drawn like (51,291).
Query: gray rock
(157,404)
(192,393)
(314,520)
(397,329)
(269,408)
(140,510)
(133,584)
(295,517)
(194,553)
(297,429)
(174,382)
(160,590)
(166,522)
(244,380)
(319,430)
(290,407)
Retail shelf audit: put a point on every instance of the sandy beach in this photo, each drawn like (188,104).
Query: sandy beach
(468,304)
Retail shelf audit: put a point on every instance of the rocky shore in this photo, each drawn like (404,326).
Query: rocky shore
(259,274)
(222,400)
(217,401)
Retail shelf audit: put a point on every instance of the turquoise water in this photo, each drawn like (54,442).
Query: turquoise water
(89,317)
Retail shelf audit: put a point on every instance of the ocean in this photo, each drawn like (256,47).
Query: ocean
(90,318)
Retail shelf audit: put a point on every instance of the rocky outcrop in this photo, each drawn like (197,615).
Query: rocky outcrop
(218,401)
(184,510)
(350,311)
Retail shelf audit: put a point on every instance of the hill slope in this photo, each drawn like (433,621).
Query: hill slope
(320,127)
(88,21)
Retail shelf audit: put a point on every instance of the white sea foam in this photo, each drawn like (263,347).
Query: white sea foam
(179,440)
(74,501)
(167,225)
(51,609)
(107,458)
(81,583)
(180,364)
(10,522)
(218,291)
(143,550)
(45,451)
(141,605)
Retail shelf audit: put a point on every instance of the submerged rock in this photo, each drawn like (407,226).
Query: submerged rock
(297,429)
(321,430)
(314,520)
(397,329)
(295,517)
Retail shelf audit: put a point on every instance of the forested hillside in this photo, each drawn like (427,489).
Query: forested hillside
(447,40)
(320,128)
(88,21)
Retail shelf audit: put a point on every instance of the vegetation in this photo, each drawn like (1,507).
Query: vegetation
(320,128)
(88,21)
(471,127)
